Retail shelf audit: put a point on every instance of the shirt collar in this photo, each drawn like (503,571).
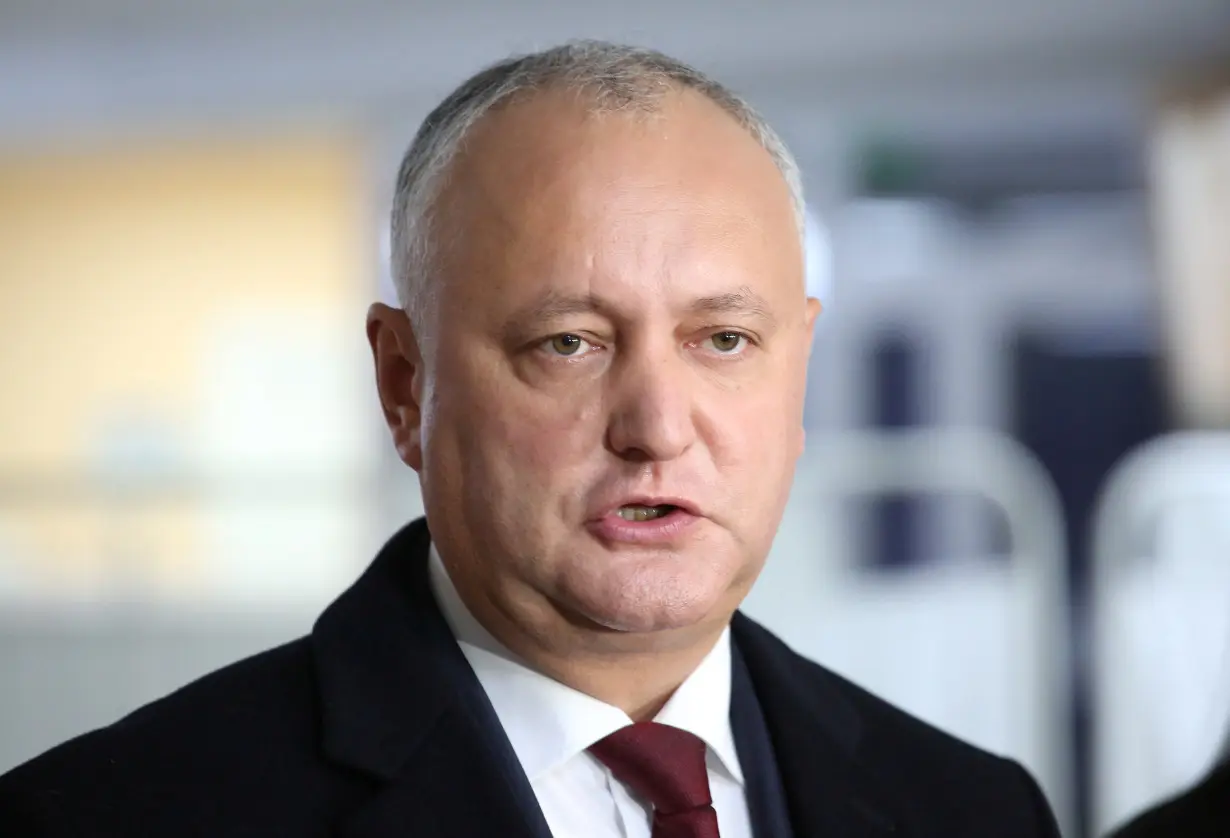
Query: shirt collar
(549,723)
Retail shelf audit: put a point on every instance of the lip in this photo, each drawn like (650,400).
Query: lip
(650,500)
(669,529)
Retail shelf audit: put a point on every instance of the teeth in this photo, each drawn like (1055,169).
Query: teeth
(642,513)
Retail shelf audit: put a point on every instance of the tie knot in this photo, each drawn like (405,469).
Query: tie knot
(665,765)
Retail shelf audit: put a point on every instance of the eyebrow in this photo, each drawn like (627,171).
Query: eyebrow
(554,305)
(743,301)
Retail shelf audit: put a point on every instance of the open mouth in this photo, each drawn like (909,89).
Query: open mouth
(646,520)
(637,512)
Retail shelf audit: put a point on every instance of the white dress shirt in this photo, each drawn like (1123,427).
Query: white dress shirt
(551,726)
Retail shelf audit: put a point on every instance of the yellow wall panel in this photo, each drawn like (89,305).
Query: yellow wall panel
(120,268)
(112,263)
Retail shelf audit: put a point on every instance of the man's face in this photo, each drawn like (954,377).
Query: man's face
(612,366)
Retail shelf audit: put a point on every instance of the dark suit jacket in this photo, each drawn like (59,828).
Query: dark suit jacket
(375,727)
(1201,812)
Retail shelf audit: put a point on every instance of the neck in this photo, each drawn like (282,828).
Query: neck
(636,672)
(627,675)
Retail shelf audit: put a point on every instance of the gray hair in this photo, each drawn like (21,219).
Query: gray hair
(612,77)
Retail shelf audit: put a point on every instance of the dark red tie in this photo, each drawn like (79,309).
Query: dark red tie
(666,766)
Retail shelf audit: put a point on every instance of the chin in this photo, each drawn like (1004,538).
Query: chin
(652,623)
(650,602)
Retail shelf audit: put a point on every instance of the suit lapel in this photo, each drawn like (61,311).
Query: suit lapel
(814,733)
(400,704)
(452,788)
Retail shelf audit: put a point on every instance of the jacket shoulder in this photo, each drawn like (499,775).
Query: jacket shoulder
(232,740)
(936,775)
(1202,811)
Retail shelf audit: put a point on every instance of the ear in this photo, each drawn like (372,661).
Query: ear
(399,379)
(813,311)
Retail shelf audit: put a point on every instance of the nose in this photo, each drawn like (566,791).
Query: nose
(652,416)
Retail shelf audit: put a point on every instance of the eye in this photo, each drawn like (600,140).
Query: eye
(728,343)
(565,345)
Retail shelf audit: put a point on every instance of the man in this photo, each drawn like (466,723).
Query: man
(598,375)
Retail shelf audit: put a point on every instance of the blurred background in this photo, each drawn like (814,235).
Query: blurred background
(1014,515)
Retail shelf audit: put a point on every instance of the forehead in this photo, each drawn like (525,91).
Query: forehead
(547,187)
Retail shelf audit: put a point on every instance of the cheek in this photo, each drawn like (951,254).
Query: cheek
(561,452)
(754,420)
(756,439)
(545,440)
